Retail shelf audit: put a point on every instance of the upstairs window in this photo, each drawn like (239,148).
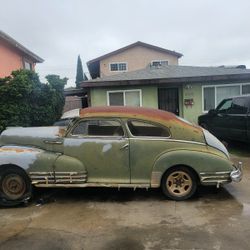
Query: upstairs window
(27,65)
(118,66)
(156,63)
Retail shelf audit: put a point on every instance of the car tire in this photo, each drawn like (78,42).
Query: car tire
(15,186)
(179,183)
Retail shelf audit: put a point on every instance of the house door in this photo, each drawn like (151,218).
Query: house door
(168,99)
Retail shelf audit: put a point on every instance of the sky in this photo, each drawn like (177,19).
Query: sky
(206,32)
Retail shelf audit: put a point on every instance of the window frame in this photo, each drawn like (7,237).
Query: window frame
(148,137)
(215,92)
(70,135)
(118,66)
(160,61)
(124,92)
(25,61)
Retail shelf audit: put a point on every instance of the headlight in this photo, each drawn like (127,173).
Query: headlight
(214,142)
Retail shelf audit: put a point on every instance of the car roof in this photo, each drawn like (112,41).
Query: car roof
(126,111)
(180,128)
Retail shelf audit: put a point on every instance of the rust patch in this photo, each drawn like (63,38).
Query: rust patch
(17,150)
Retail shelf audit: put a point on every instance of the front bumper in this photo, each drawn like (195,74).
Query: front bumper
(236,174)
(219,178)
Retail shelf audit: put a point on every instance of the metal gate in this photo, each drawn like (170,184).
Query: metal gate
(168,99)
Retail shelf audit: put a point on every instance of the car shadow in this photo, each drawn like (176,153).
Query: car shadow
(44,195)
(238,148)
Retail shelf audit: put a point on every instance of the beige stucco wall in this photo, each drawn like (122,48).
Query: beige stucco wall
(136,58)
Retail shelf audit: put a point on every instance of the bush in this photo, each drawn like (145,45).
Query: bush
(25,101)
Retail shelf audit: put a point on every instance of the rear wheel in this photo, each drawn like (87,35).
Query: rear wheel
(179,183)
(15,186)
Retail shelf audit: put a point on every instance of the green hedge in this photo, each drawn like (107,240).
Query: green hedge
(25,101)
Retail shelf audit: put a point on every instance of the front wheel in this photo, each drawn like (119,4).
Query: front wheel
(179,183)
(15,186)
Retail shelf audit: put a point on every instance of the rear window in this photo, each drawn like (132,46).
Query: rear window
(141,128)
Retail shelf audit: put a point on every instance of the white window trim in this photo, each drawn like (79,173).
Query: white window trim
(159,60)
(118,67)
(215,92)
(125,91)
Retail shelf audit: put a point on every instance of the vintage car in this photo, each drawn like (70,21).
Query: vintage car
(113,147)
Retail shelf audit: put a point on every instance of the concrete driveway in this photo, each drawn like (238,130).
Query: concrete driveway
(111,219)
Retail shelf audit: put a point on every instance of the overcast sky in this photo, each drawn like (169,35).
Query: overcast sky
(206,32)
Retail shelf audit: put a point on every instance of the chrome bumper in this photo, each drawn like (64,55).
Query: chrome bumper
(236,175)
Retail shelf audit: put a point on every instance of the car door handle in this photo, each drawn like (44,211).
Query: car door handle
(124,146)
(52,142)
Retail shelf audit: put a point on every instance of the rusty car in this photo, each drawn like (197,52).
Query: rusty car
(123,147)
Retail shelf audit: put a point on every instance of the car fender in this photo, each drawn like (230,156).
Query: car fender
(27,158)
(40,164)
(200,162)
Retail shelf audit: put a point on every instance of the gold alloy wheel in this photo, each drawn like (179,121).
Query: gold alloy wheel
(13,186)
(179,183)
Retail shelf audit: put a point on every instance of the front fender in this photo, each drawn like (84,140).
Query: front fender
(200,162)
(28,158)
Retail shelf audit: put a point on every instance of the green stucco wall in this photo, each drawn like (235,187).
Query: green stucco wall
(150,98)
(149,95)
(192,91)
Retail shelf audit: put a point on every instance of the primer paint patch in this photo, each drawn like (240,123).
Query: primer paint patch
(106,148)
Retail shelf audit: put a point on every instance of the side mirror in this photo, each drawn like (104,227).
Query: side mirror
(212,112)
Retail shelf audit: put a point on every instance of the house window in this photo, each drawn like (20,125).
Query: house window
(124,98)
(118,66)
(156,63)
(27,65)
(213,95)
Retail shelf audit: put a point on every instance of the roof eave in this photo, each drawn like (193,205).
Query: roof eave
(193,79)
(20,47)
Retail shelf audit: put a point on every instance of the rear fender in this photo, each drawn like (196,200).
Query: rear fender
(200,162)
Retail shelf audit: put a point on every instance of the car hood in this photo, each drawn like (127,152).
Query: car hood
(30,136)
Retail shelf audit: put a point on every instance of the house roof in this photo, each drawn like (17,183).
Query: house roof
(93,65)
(170,74)
(20,47)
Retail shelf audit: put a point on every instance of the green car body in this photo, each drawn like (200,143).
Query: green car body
(127,147)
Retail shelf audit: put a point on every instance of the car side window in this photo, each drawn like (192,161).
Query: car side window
(141,128)
(224,106)
(98,128)
(239,106)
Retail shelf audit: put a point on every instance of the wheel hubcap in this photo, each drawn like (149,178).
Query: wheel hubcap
(179,183)
(13,186)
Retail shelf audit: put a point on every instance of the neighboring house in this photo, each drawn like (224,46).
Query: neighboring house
(184,90)
(14,56)
(130,58)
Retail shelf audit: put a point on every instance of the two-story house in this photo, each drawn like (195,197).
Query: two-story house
(145,75)
(130,58)
(14,56)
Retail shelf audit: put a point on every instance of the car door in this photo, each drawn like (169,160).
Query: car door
(147,142)
(102,146)
(238,119)
(219,121)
